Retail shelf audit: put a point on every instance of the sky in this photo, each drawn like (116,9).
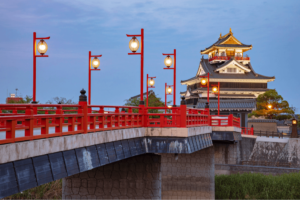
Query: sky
(79,26)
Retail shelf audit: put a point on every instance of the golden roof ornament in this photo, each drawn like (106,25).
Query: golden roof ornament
(230,31)
(220,35)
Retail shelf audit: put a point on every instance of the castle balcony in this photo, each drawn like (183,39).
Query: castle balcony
(217,59)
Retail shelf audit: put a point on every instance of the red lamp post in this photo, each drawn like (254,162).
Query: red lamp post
(151,83)
(168,63)
(95,63)
(134,46)
(42,49)
(168,91)
(216,90)
(204,82)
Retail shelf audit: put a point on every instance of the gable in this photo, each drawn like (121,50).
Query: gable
(233,67)
(231,40)
(200,70)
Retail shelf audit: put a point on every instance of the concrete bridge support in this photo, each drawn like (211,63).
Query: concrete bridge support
(188,176)
(138,177)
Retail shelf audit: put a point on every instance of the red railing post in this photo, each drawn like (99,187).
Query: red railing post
(84,107)
(29,122)
(230,120)
(183,116)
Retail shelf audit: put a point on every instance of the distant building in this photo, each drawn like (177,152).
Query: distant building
(240,85)
(13,98)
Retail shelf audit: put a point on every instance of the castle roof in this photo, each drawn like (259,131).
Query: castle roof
(226,41)
(205,67)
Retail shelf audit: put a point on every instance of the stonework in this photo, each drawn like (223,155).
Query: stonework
(223,169)
(246,146)
(133,178)
(188,176)
(227,153)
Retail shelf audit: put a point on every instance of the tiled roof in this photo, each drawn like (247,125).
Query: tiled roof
(218,43)
(210,68)
(229,104)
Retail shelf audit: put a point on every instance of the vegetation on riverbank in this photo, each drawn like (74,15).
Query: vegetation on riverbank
(236,186)
(257,186)
(52,190)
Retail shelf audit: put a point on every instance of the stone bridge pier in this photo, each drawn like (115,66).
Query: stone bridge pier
(138,177)
(149,176)
(189,176)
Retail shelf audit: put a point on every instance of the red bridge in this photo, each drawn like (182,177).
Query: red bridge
(21,122)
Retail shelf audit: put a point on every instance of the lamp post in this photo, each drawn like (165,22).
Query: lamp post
(95,63)
(168,62)
(216,90)
(294,128)
(168,91)
(42,48)
(204,82)
(150,82)
(134,46)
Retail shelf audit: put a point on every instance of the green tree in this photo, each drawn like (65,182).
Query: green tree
(27,99)
(154,101)
(280,107)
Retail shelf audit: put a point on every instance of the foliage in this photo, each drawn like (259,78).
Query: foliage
(154,101)
(280,108)
(257,186)
(27,99)
(61,100)
(52,190)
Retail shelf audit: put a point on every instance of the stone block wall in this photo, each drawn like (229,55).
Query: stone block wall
(263,126)
(246,146)
(227,153)
(188,176)
(266,151)
(133,178)
(222,169)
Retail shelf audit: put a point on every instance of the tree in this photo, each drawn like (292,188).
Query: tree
(61,100)
(280,108)
(154,101)
(27,99)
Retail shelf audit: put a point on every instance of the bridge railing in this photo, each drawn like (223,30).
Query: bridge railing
(98,119)
(224,120)
(21,122)
(247,131)
(29,125)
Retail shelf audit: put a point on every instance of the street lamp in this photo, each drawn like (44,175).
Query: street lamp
(168,62)
(95,63)
(134,46)
(294,133)
(168,91)
(150,82)
(216,90)
(42,48)
(204,82)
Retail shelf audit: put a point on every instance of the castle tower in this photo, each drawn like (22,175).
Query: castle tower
(240,85)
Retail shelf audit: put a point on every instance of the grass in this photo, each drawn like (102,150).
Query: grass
(236,186)
(52,190)
(257,186)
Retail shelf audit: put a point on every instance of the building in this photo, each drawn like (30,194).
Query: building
(13,98)
(240,85)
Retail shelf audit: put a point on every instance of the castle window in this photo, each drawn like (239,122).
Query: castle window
(231,70)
